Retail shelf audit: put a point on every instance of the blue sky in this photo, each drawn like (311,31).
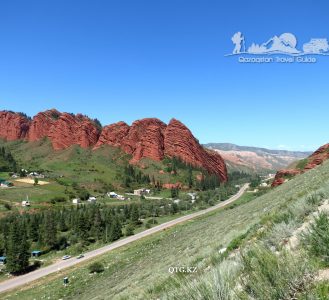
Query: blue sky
(125,60)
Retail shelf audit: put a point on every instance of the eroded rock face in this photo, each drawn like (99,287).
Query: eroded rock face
(71,130)
(154,139)
(282,175)
(180,142)
(42,123)
(145,139)
(113,135)
(13,126)
(317,158)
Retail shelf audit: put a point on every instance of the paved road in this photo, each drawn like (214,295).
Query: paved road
(27,278)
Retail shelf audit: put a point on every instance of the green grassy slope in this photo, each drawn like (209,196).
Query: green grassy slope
(85,165)
(96,171)
(140,270)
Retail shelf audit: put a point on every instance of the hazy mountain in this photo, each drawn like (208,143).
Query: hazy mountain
(255,159)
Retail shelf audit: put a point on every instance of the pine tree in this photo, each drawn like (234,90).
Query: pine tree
(34,228)
(17,251)
(49,234)
(134,214)
(116,229)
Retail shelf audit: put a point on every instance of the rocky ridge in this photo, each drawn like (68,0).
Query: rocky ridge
(145,138)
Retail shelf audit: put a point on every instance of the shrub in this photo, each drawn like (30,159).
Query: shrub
(130,229)
(270,276)
(319,291)
(218,284)
(57,199)
(236,242)
(280,232)
(316,240)
(96,267)
(7,206)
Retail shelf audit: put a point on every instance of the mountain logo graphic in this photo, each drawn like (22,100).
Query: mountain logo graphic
(285,44)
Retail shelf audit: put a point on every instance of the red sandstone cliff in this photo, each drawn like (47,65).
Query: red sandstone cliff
(71,130)
(180,142)
(13,126)
(63,129)
(317,158)
(154,139)
(42,123)
(146,138)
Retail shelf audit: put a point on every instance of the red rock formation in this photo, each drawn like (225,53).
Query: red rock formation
(146,138)
(113,135)
(42,123)
(177,185)
(317,158)
(180,142)
(143,139)
(71,130)
(282,175)
(13,126)
(153,139)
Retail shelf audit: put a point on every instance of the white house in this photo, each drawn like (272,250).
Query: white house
(76,201)
(112,195)
(92,199)
(26,203)
(141,192)
(36,175)
(192,195)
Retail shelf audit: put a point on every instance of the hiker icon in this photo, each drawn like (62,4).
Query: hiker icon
(238,41)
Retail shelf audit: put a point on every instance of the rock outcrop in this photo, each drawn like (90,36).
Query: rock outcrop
(64,129)
(113,135)
(180,142)
(283,175)
(71,130)
(151,138)
(13,126)
(146,138)
(42,123)
(317,158)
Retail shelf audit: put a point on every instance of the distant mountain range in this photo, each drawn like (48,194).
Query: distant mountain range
(255,159)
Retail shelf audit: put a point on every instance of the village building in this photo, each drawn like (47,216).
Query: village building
(92,199)
(112,195)
(76,201)
(141,192)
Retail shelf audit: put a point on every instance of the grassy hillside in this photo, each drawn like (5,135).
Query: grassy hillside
(70,171)
(140,270)
(88,167)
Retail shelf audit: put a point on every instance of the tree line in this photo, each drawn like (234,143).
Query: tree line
(7,161)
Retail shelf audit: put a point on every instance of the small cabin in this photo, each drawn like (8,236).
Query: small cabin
(36,253)
(76,201)
(112,195)
(92,199)
(26,203)
(3,259)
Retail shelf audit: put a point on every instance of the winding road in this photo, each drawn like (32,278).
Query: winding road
(60,265)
